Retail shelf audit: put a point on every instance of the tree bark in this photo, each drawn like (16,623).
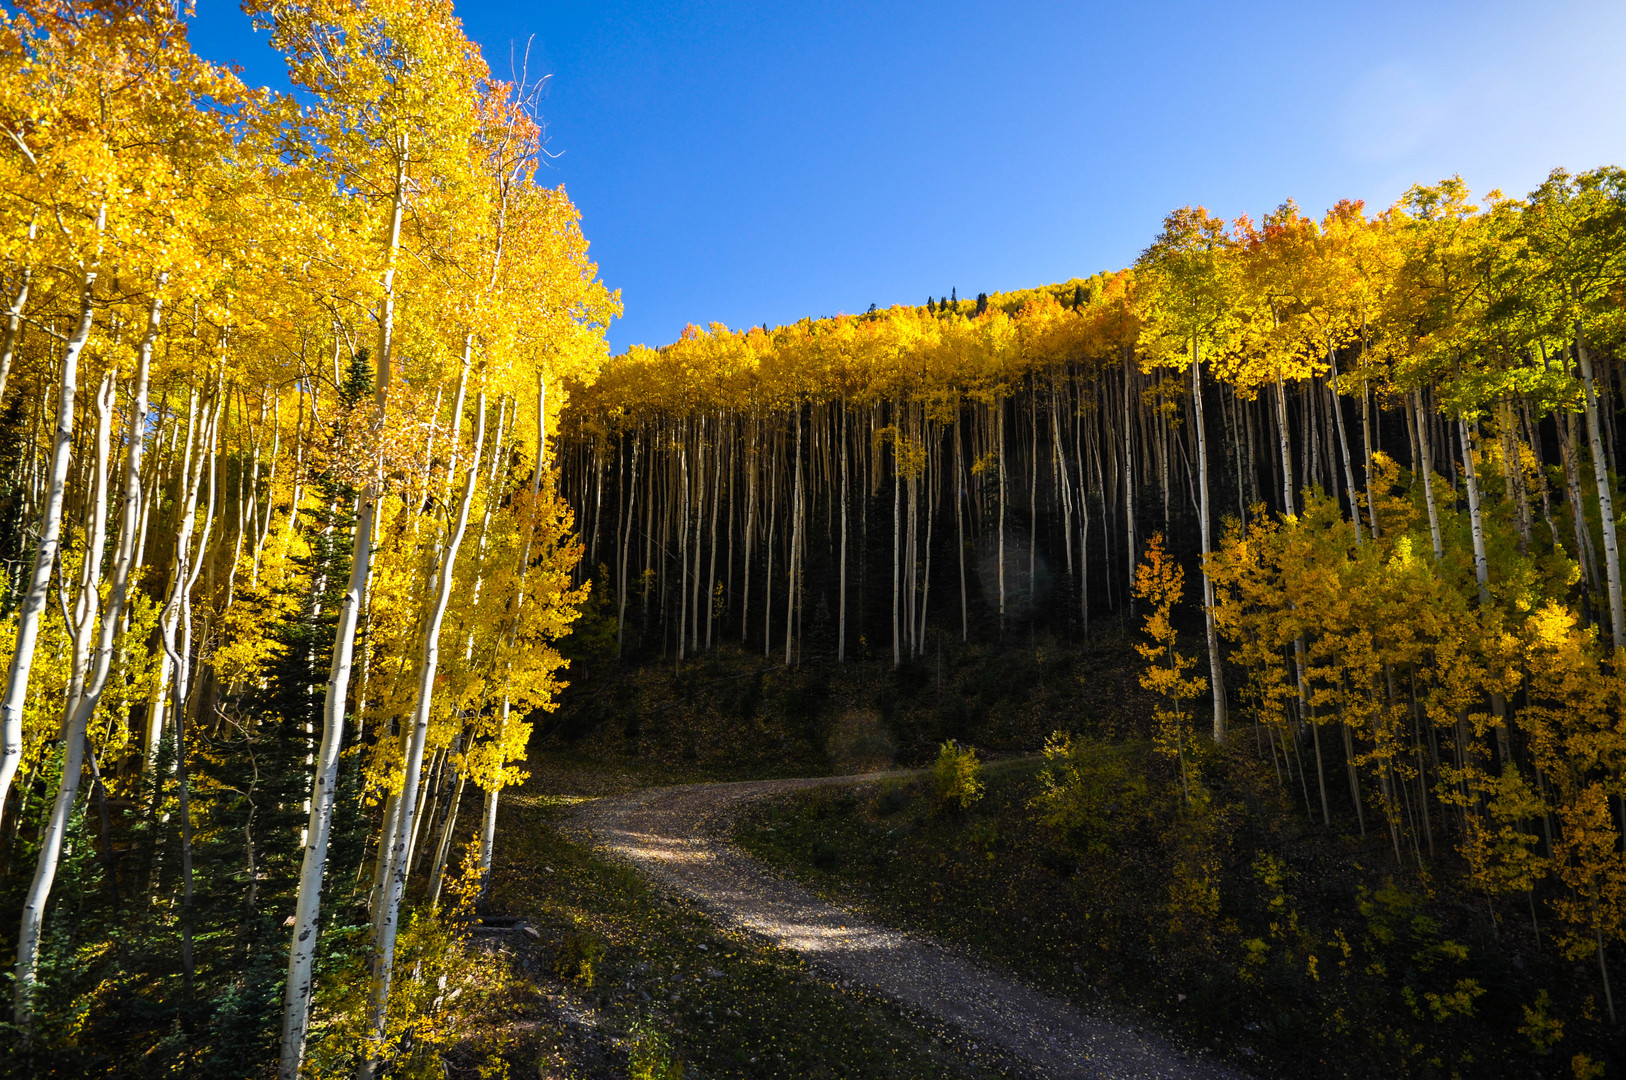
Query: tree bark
(1427,469)
(1216,674)
(75,718)
(395,881)
(1606,502)
(32,610)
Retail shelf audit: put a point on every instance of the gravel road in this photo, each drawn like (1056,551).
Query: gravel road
(677,836)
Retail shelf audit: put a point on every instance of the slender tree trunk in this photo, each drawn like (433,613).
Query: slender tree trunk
(959,527)
(1476,521)
(14,323)
(753,462)
(1216,674)
(999,403)
(841,589)
(1427,469)
(926,570)
(897,552)
(1131,551)
(792,590)
(1288,504)
(31,613)
(395,882)
(626,542)
(438,873)
(716,498)
(1343,443)
(1606,502)
(313,861)
(75,718)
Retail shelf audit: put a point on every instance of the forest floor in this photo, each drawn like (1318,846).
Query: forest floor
(676,836)
(611,977)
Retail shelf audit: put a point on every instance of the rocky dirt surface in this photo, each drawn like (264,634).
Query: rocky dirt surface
(677,837)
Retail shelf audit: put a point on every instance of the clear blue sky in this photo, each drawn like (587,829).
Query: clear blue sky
(751,162)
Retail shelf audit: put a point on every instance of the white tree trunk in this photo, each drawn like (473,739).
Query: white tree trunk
(32,611)
(1606,502)
(841,602)
(395,879)
(75,718)
(1476,522)
(795,545)
(1131,553)
(14,324)
(1286,447)
(1343,448)
(1426,451)
(999,404)
(313,862)
(1216,674)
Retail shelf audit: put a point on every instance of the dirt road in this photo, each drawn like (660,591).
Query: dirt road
(677,837)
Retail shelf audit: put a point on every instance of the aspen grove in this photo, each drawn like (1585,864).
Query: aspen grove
(283,559)
(312,454)
(1384,446)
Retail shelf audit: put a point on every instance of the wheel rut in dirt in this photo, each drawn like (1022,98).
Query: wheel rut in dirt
(677,837)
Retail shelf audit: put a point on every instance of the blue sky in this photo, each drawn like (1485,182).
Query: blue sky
(750,162)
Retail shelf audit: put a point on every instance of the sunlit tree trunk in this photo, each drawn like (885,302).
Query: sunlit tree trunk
(1427,469)
(395,879)
(32,611)
(14,322)
(1343,442)
(1475,520)
(177,638)
(74,718)
(313,862)
(931,515)
(1606,502)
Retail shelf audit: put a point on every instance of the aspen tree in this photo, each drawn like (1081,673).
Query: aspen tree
(73,723)
(1574,226)
(396,868)
(77,187)
(1189,302)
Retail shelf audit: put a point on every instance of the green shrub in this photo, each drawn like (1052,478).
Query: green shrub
(579,957)
(1090,793)
(651,1056)
(957,776)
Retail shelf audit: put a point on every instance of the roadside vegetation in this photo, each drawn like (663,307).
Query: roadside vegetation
(1291,951)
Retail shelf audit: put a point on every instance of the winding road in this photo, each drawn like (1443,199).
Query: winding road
(677,837)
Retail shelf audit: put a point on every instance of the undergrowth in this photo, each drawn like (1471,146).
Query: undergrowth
(1293,953)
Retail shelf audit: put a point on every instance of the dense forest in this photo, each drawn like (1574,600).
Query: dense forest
(1383,445)
(282,554)
(312,457)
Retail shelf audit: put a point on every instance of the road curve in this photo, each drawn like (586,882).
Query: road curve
(676,836)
